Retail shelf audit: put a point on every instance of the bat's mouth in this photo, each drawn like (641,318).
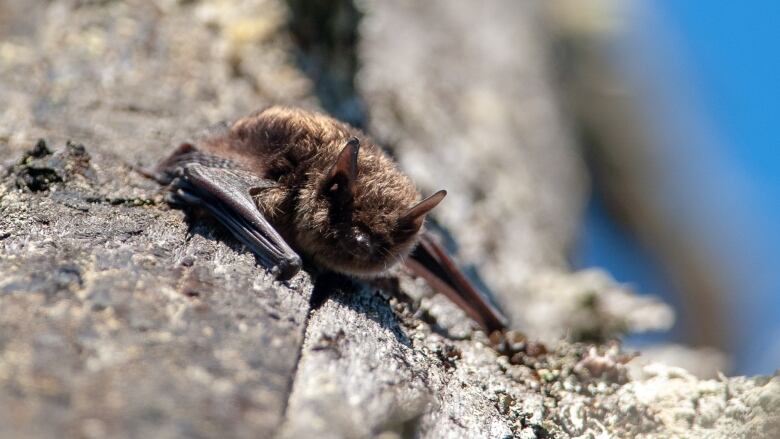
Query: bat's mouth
(365,261)
(360,270)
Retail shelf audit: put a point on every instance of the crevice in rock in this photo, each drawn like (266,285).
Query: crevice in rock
(325,34)
(122,201)
(321,290)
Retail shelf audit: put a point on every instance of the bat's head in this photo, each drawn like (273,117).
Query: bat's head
(359,214)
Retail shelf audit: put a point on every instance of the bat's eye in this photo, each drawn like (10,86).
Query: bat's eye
(363,242)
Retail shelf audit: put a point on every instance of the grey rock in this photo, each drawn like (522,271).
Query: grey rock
(121,317)
(118,317)
(118,321)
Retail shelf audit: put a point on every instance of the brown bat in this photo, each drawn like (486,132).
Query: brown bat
(286,181)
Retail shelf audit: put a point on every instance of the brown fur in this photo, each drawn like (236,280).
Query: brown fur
(296,149)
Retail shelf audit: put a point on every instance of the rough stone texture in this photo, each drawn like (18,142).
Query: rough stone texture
(131,77)
(116,319)
(120,317)
(728,407)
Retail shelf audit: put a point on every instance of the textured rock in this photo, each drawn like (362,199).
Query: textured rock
(120,317)
(131,77)
(117,320)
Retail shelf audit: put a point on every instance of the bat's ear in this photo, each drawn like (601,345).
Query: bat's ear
(414,218)
(342,175)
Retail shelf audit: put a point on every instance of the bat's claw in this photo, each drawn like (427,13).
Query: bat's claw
(181,197)
(287,268)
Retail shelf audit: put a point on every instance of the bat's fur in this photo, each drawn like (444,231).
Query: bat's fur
(296,149)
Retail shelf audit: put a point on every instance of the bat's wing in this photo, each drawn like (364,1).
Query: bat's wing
(431,262)
(221,188)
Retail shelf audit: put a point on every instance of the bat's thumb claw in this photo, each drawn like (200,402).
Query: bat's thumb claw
(287,268)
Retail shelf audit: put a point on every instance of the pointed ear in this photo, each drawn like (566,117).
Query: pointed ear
(415,217)
(342,175)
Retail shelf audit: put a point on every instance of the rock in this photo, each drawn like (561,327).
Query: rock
(118,321)
(118,318)
(121,317)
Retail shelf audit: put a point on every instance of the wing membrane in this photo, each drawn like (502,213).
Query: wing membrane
(431,262)
(224,191)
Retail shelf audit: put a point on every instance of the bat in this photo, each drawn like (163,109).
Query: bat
(290,183)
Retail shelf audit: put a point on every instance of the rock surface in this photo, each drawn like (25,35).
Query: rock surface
(120,317)
(116,320)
